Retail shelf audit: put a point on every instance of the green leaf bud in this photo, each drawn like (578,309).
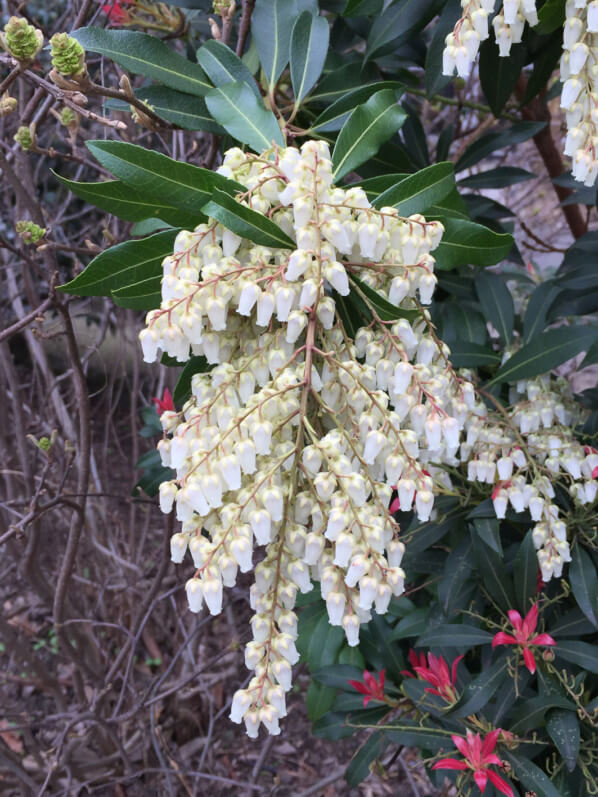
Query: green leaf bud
(68,56)
(68,117)
(25,137)
(29,231)
(21,39)
(7,105)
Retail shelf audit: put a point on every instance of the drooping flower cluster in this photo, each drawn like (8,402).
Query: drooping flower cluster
(578,65)
(295,440)
(541,415)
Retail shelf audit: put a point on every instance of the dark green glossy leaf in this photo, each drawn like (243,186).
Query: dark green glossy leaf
(497,304)
(123,265)
(435,80)
(581,653)
(467,243)
(490,142)
(409,734)
(369,126)
(243,115)
(495,578)
(455,636)
(155,176)
(145,55)
(530,713)
(361,763)
(395,24)
(563,729)
(531,776)
(222,66)
(335,116)
(536,313)
(246,222)
(487,529)
(417,192)
(464,354)
(584,583)
(545,352)
(338,676)
(500,177)
(572,624)
(309,47)
(498,75)
(271,26)
(182,390)
(481,689)
(383,308)
(525,573)
(550,16)
(121,200)
(183,110)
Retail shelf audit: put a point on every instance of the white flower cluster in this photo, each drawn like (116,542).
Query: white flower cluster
(579,73)
(463,42)
(295,440)
(578,65)
(541,416)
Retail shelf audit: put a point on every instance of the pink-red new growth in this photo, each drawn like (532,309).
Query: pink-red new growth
(116,13)
(479,755)
(165,404)
(436,672)
(371,688)
(524,635)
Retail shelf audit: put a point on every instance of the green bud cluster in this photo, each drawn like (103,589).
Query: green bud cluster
(68,117)
(24,137)
(7,105)
(21,39)
(30,232)
(68,56)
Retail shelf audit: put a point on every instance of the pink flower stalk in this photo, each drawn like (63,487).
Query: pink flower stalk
(370,687)
(165,404)
(524,630)
(436,672)
(479,756)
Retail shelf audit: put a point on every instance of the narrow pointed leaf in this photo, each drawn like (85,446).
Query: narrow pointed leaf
(361,763)
(497,304)
(584,583)
(238,110)
(464,354)
(183,110)
(525,573)
(545,352)
(531,776)
(536,314)
(145,55)
(309,47)
(386,310)
(563,729)
(455,636)
(500,177)
(246,222)
(419,191)
(490,142)
(368,127)
(478,692)
(123,265)
(156,176)
(222,66)
(578,653)
(122,201)
(467,243)
(271,26)
(335,115)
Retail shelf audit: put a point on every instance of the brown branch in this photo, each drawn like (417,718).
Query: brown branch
(18,325)
(248,6)
(537,110)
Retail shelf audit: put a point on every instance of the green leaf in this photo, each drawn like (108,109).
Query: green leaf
(413,625)
(145,55)
(143,295)
(318,643)
(419,191)
(462,322)
(487,529)
(563,729)
(396,23)
(531,776)
(545,62)
(525,573)
(584,583)
(222,66)
(495,578)
(374,186)
(457,569)
(154,175)
(490,142)
(551,16)
(536,314)
(545,352)
(242,115)
(122,201)
(360,765)
(571,624)
(530,714)
(182,390)
(338,675)
(123,265)
(356,8)
(501,177)
(454,636)
(309,47)
(271,26)
(183,110)
(464,354)
(337,83)
(467,243)
(335,116)
(481,689)
(386,310)
(578,653)
(246,222)
(409,734)
(498,75)
(497,304)
(369,126)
